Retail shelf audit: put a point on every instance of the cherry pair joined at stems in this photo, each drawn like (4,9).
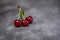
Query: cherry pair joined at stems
(22,22)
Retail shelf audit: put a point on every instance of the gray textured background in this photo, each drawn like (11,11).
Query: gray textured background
(46,24)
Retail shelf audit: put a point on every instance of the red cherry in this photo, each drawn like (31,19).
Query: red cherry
(30,19)
(17,23)
(25,23)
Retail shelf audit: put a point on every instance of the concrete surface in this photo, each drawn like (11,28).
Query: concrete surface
(45,26)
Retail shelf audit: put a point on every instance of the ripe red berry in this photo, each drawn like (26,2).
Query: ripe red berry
(17,23)
(30,19)
(25,23)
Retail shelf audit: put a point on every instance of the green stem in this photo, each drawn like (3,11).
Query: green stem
(21,14)
(18,15)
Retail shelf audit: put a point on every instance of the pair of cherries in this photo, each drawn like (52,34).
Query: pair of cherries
(28,20)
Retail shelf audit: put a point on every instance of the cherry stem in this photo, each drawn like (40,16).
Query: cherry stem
(21,14)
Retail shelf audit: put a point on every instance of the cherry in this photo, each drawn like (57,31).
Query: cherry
(25,23)
(17,23)
(30,19)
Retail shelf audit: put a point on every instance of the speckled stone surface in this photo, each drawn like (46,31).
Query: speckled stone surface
(45,26)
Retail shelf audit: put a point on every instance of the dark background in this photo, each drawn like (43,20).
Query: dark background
(45,26)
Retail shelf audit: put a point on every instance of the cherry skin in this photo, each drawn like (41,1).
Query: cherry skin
(25,23)
(17,23)
(30,19)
